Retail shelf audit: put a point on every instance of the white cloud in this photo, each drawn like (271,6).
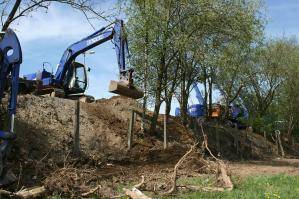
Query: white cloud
(60,22)
(44,35)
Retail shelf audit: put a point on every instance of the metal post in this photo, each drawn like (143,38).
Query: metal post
(131,128)
(12,123)
(77,129)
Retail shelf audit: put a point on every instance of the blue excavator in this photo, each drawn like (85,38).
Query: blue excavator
(71,77)
(10,61)
(194,110)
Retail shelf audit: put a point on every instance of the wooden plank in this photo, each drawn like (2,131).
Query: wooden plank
(122,89)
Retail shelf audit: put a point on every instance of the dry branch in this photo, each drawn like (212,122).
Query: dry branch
(178,164)
(135,193)
(223,178)
(91,191)
(140,184)
(6,193)
(22,8)
(25,193)
(31,193)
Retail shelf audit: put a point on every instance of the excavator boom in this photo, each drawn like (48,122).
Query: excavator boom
(10,61)
(66,78)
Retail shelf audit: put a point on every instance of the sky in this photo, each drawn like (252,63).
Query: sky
(45,36)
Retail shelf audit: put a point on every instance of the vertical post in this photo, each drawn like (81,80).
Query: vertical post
(77,129)
(165,131)
(12,123)
(265,135)
(131,127)
(218,142)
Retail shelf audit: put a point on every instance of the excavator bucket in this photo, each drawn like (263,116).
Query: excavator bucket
(121,88)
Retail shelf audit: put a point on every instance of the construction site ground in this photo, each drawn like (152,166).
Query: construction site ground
(42,154)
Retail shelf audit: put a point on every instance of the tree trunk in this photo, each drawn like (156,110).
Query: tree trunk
(184,105)
(145,84)
(210,96)
(154,120)
(206,99)
(158,94)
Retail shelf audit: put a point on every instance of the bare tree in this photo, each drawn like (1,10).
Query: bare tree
(12,10)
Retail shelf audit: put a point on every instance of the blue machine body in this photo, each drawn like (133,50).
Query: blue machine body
(177,112)
(239,110)
(40,75)
(11,59)
(31,76)
(61,76)
(194,110)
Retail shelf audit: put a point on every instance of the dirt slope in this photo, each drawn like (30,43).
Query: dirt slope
(42,152)
(46,123)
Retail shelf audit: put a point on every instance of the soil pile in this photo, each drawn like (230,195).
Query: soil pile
(233,144)
(42,153)
(45,127)
(47,124)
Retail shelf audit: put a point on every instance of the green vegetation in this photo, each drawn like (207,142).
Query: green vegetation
(268,187)
(223,46)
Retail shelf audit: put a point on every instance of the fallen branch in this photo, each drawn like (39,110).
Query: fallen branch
(140,184)
(135,193)
(223,178)
(6,193)
(31,193)
(205,143)
(91,191)
(178,164)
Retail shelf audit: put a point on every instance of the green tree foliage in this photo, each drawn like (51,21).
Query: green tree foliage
(271,90)
(220,44)
(176,43)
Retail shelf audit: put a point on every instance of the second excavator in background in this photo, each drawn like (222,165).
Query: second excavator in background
(71,77)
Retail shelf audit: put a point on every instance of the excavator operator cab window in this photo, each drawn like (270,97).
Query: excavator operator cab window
(80,78)
(78,81)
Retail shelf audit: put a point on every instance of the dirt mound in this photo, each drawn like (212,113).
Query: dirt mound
(45,128)
(46,124)
(43,149)
(234,144)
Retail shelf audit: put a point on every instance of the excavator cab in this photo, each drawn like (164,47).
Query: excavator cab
(77,81)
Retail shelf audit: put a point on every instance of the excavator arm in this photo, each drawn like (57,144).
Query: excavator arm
(66,68)
(198,93)
(10,61)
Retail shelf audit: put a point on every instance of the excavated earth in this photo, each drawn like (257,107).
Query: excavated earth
(42,153)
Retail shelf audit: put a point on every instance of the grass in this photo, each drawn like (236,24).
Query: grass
(255,187)
(267,187)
